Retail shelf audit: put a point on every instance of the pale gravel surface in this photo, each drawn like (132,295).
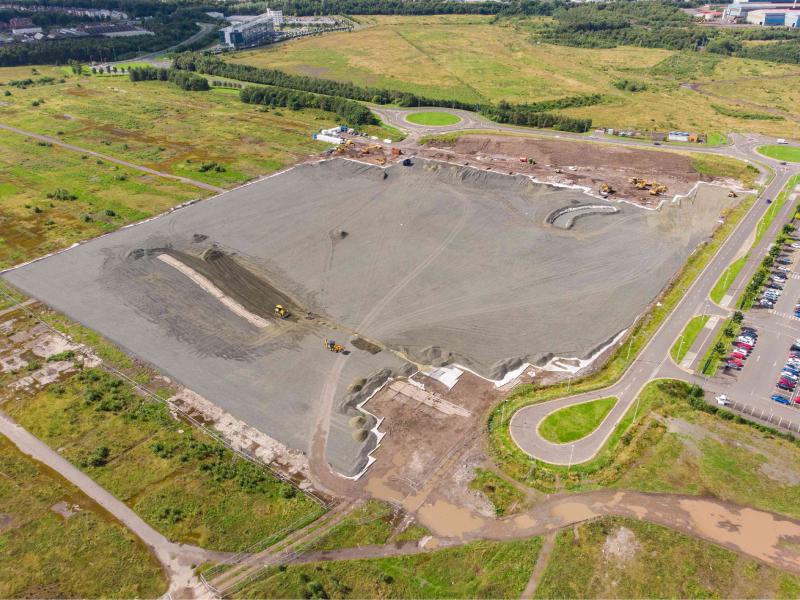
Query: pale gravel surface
(439,261)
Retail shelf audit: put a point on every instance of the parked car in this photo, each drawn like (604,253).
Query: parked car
(780,399)
(785,386)
(722,400)
(784,269)
(733,365)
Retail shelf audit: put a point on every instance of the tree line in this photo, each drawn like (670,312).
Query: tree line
(662,24)
(185,80)
(168,31)
(399,7)
(520,114)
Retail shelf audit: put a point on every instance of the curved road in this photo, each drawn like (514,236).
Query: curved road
(653,361)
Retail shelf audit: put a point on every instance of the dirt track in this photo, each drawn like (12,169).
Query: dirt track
(579,163)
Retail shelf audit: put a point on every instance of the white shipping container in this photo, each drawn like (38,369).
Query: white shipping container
(332,139)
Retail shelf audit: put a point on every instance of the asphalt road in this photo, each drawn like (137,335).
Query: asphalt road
(653,362)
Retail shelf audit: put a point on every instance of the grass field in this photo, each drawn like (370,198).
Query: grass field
(100,197)
(477,570)
(182,482)
(47,554)
(626,558)
(433,118)
(505,498)
(684,343)
(577,421)
(781,152)
(157,124)
(470,59)
(370,524)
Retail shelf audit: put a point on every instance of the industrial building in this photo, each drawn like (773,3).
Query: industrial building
(781,13)
(245,32)
(774,18)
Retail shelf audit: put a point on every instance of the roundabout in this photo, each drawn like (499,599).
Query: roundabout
(433,118)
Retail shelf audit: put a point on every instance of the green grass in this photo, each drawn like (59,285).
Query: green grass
(712,358)
(505,498)
(184,483)
(727,278)
(518,465)
(476,59)
(106,196)
(781,152)
(576,421)
(654,562)
(370,524)
(43,554)
(477,570)
(433,118)
(723,166)
(684,343)
(157,124)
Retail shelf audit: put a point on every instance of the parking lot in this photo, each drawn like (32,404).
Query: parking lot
(751,389)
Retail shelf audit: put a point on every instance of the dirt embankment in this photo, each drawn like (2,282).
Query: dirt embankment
(574,163)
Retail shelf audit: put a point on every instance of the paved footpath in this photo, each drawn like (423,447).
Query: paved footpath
(176,559)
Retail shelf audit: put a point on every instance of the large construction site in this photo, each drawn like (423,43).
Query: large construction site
(290,301)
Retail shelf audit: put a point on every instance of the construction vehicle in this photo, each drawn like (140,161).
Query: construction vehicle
(381,161)
(407,162)
(732,194)
(396,152)
(333,346)
(606,189)
(281,312)
(523,159)
(657,188)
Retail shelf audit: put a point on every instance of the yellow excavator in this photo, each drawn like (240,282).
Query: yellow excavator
(281,312)
(606,189)
(333,346)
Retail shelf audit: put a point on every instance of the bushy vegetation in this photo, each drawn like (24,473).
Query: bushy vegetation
(351,112)
(186,80)
(630,85)
(298,91)
(745,114)
(183,482)
(662,24)
(400,7)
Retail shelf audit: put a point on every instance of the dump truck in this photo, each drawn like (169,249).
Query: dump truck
(281,312)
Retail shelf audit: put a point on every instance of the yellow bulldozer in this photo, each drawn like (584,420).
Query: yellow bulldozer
(606,189)
(281,312)
(657,188)
(333,346)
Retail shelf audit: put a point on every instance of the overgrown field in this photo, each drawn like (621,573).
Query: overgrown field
(477,570)
(46,553)
(158,125)
(185,484)
(51,198)
(626,558)
(469,58)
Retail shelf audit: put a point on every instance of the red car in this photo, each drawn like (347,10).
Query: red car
(739,355)
(744,345)
(787,382)
(735,360)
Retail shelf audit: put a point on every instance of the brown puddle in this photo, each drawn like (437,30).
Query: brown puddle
(448,520)
(757,533)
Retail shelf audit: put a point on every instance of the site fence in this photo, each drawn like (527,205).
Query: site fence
(766,415)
